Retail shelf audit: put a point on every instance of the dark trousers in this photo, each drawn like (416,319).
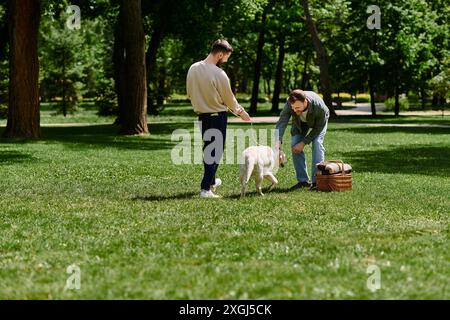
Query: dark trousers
(216,121)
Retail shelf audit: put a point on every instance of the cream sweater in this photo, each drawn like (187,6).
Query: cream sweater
(209,89)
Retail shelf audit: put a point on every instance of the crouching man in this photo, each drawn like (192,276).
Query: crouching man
(309,113)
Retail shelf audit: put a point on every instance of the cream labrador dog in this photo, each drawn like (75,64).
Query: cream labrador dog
(260,162)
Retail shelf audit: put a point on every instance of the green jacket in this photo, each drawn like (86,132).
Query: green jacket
(316,119)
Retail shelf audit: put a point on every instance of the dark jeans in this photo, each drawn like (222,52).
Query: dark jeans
(212,158)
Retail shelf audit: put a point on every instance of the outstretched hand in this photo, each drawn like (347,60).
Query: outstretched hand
(244,116)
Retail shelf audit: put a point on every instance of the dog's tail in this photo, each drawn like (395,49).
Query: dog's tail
(249,165)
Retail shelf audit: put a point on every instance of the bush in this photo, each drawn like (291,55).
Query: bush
(390,103)
(362,98)
(343,97)
(3,111)
(4,83)
(243,97)
(106,100)
(178,98)
(263,99)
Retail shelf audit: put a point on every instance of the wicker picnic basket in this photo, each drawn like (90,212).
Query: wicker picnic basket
(334,182)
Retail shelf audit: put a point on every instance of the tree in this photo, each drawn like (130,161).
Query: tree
(62,70)
(356,57)
(258,60)
(132,75)
(322,58)
(4,82)
(164,25)
(161,11)
(23,108)
(278,75)
(3,30)
(285,28)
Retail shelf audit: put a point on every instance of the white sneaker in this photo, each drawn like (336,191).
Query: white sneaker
(208,194)
(217,183)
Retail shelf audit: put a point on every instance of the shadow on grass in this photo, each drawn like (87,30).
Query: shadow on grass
(190,195)
(375,129)
(106,136)
(424,160)
(253,193)
(161,197)
(177,109)
(13,156)
(437,120)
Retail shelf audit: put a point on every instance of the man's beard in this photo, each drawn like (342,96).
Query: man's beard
(220,62)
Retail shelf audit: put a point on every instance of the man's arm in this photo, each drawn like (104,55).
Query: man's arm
(283,121)
(188,84)
(321,121)
(224,89)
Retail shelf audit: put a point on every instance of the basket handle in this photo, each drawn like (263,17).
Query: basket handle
(341,163)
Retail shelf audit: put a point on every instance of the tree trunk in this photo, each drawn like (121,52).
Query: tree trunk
(278,76)
(423,97)
(372,95)
(435,101)
(134,76)
(233,81)
(23,109)
(287,82)
(3,38)
(64,84)
(161,86)
(305,72)
(397,102)
(150,62)
(296,82)
(321,58)
(118,62)
(258,62)
(243,85)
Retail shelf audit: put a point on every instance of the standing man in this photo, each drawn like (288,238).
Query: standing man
(209,89)
(308,111)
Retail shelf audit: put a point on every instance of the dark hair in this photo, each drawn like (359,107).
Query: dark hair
(221,45)
(296,95)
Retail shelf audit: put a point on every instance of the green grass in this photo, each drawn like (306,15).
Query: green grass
(384,118)
(134,223)
(182,112)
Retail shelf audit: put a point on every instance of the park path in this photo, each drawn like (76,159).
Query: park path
(273,120)
(361,109)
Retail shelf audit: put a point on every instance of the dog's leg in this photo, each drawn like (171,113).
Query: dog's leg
(242,178)
(258,181)
(272,179)
(243,187)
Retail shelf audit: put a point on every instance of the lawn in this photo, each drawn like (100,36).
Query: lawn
(134,224)
(182,112)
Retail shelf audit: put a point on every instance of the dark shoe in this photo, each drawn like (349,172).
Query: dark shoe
(300,185)
(313,187)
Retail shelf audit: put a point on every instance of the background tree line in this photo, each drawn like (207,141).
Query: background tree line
(130,56)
